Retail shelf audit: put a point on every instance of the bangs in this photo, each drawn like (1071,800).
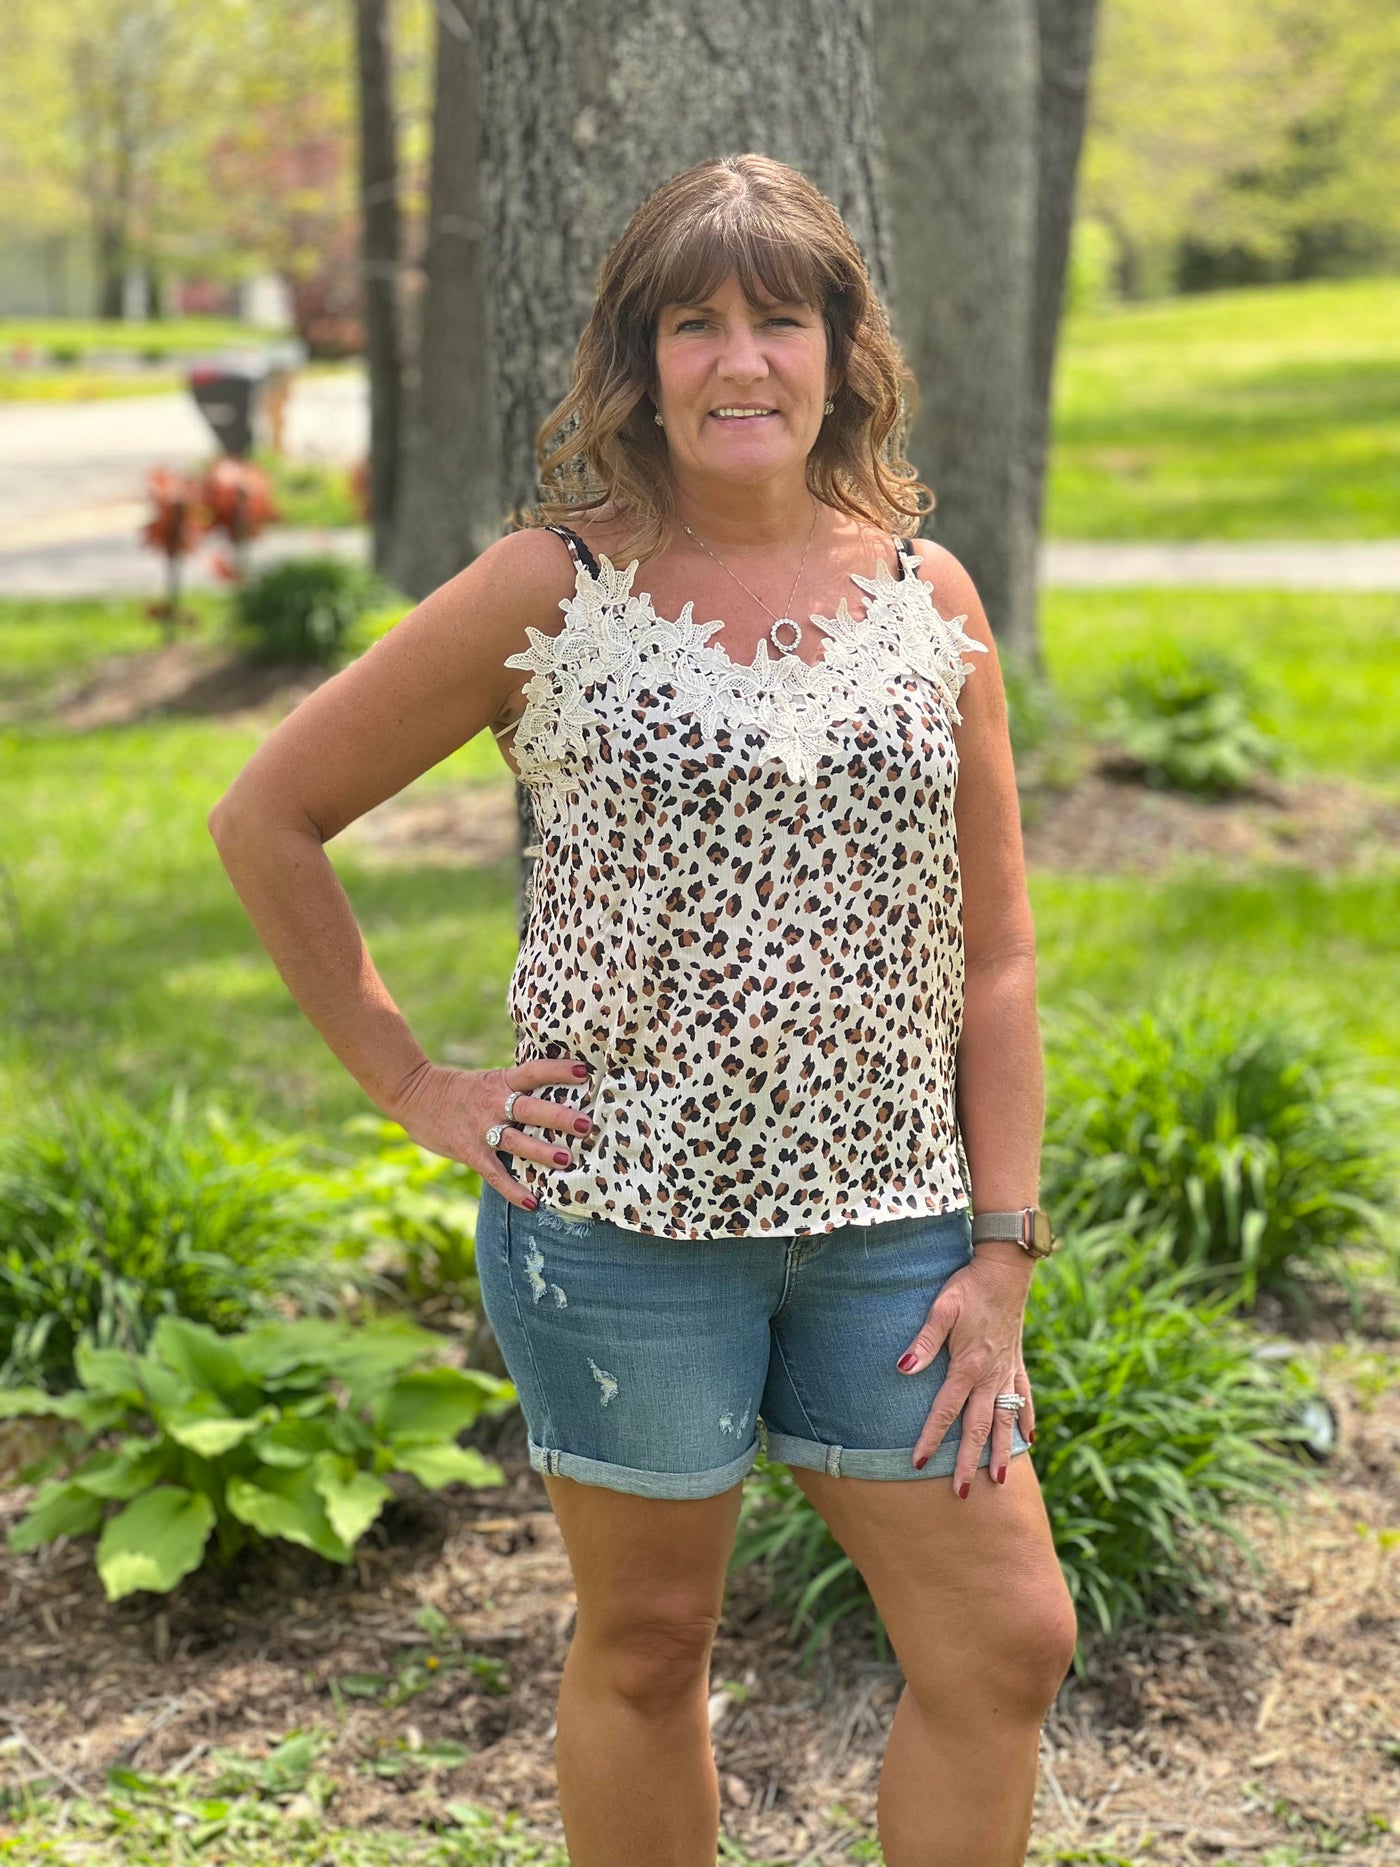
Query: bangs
(772,266)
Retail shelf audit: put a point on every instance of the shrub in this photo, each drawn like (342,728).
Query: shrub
(1156,1420)
(110,1219)
(303,609)
(284,1430)
(1244,1135)
(1184,722)
(408,1213)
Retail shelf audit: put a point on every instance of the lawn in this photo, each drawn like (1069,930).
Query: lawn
(1272,412)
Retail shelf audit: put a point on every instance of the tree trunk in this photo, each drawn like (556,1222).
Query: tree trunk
(1066,58)
(586,109)
(958,83)
(379,248)
(111,269)
(589,108)
(449,505)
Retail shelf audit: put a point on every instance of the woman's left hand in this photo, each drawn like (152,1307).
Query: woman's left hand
(979,1314)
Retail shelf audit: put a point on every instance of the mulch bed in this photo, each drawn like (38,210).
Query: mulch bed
(1277,1719)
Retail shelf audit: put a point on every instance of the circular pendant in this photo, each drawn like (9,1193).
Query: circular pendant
(785,622)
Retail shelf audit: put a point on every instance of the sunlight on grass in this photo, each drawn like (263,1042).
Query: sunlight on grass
(1270,412)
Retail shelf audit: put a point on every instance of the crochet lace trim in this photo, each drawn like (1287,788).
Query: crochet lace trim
(611,635)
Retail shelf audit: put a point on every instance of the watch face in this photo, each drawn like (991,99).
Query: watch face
(1040,1232)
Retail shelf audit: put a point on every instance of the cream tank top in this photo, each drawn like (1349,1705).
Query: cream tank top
(745,912)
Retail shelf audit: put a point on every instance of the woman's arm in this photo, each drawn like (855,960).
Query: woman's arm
(1000,1073)
(422,690)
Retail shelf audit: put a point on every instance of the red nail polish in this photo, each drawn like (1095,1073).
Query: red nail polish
(561,1159)
(964,1489)
(1031,1440)
(580,1070)
(583,1125)
(919,1464)
(531,1203)
(1001,1475)
(906,1362)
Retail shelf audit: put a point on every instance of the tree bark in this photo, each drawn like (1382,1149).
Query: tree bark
(587,109)
(449,505)
(959,88)
(1066,29)
(379,262)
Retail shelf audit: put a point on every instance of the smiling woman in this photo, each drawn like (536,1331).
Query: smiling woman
(780,950)
(742,259)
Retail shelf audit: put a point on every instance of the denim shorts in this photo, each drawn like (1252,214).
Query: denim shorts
(650,1364)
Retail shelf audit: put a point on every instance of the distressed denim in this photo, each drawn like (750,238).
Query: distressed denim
(658,1366)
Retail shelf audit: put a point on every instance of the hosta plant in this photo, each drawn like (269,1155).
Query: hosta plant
(206,1444)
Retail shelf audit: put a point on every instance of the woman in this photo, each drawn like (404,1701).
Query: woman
(779,966)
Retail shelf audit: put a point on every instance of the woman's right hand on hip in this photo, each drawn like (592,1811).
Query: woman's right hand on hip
(448,1111)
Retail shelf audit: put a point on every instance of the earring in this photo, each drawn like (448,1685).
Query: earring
(830,408)
(657,419)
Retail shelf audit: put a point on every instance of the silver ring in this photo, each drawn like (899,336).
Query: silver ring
(511,1101)
(1010,1403)
(493,1135)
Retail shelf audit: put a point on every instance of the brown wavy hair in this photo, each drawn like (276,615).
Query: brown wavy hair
(764,221)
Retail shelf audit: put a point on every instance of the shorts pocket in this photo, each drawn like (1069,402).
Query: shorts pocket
(549,1219)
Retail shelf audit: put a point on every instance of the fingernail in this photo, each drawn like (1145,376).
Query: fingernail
(561,1158)
(964,1489)
(580,1070)
(1001,1475)
(532,1204)
(906,1362)
(1031,1440)
(583,1125)
(919,1464)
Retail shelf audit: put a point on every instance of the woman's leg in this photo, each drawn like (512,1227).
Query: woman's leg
(637,1782)
(975,1604)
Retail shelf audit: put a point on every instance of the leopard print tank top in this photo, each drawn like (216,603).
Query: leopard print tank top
(745,912)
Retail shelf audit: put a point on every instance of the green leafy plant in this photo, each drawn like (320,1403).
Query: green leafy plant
(407,1214)
(1185,722)
(111,1218)
(284,1430)
(1156,1420)
(1244,1135)
(304,609)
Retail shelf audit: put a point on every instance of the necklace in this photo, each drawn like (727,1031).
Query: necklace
(779,622)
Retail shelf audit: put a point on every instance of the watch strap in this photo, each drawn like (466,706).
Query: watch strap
(1021,1227)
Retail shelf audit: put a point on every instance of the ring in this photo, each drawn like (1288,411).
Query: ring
(1010,1403)
(493,1135)
(511,1101)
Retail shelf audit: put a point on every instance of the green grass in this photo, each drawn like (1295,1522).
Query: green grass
(1328,664)
(146,1821)
(84,385)
(140,337)
(1272,412)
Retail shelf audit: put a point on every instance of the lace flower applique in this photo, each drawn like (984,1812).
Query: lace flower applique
(611,635)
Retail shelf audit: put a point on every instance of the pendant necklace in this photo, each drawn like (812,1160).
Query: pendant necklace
(779,622)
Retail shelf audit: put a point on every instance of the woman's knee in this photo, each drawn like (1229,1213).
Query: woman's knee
(652,1654)
(1016,1663)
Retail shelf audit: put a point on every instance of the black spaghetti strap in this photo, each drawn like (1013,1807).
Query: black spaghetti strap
(905,547)
(578,550)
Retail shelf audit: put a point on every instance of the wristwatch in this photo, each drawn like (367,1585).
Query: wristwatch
(1030,1228)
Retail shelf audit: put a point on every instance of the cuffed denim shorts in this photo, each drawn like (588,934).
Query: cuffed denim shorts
(653,1365)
